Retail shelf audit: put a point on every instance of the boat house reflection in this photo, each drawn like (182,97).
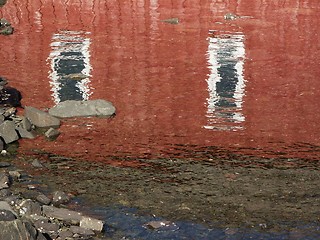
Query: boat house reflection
(226,84)
(70,66)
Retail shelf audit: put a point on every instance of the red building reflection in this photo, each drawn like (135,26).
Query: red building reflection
(155,73)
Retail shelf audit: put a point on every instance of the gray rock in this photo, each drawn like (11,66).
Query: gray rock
(158,224)
(41,198)
(52,133)
(45,227)
(4,164)
(17,230)
(81,231)
(62,214)
(4,180)
(65,234)
(29,207)
(25,124)
(8,132)
(60,197)
(40,118)
(8,112)
(72,108)
(6,206)
(15,174)
(26,134)
(6,215)
(4,193)
(36,163)
(91,223)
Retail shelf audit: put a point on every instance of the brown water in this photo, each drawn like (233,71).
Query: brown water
(249,85)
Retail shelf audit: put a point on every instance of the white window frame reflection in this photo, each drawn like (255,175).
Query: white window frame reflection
(72,47)
(226,84)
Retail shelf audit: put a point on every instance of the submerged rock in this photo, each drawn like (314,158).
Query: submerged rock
(5,27)
(73,108)
(171,20)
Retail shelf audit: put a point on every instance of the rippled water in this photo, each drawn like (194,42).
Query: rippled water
(248,84)
(182,89)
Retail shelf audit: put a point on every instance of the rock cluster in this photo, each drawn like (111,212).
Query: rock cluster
(40,217)
(13,127)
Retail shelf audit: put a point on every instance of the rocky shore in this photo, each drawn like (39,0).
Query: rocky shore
(25,212)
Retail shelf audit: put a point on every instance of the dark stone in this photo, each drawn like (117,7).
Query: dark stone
(2,2)
(17,230)
(6,215)
(45,227)
(41,198)
(29,207)
(10,96)
(60,197)
(4,164)
(65,234)
(81,231)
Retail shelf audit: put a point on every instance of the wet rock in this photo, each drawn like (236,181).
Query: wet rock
(91,223)
(60,197)
(40,118)
(4,164)
(41,198)
(52,133)
(158,224)
(8,132)
(72,108)
(62,214)
(17,230)
(29,207)
(4,180)
(6,215)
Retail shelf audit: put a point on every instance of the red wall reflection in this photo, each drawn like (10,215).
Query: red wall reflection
(155,72)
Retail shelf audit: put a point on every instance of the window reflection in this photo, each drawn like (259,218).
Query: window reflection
(70,66)
(226,84)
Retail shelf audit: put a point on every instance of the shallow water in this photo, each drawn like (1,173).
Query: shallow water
(201,88)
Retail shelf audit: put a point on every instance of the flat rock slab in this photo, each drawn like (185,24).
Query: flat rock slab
(62,214)
(40,118)
(73,108)
(8,132)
